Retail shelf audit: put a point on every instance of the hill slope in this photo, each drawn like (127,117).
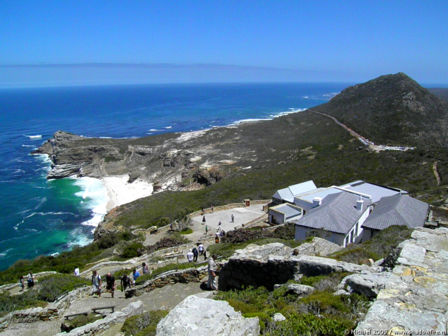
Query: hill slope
(392,109)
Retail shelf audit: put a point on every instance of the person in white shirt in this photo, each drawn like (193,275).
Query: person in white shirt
(212,272)
(190,256)
(76,272)
(201,249)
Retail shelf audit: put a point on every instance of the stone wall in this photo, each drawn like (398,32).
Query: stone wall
(271,264)
(167,278)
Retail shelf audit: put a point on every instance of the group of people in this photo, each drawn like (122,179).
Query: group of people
(195,252)
(29,281)
(126,281)
(219,231)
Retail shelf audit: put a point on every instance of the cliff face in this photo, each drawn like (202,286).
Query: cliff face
(392,109)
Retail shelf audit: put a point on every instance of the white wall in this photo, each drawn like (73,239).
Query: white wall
(276,217)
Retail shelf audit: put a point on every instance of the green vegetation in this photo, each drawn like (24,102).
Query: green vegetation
(380,246)
(133,249)
(324,282)
(53,286)
(186,231)
(66,262)
(9,303)
(79,321)
(320,313)
(48,289)
(144,324)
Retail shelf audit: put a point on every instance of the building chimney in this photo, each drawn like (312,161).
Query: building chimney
(317,201)
(359,204)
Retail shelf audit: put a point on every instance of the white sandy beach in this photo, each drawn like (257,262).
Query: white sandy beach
(119,191)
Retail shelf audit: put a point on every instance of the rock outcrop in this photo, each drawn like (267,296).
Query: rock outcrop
(413,298)
(272,264)
(200,316)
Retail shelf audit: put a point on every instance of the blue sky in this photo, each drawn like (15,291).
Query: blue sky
(113,42)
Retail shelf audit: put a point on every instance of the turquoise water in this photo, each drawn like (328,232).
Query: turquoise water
(41,217)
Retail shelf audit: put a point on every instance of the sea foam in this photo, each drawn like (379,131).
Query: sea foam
(95,198)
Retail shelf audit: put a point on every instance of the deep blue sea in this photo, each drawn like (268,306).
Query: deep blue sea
(42,217)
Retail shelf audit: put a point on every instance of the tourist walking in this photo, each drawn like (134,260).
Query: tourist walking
(190,256)
(212,272)
(135,275)
(125,282)
(195,254)
(22,283)
(203,220)
(110,284)
(30,280)
(145,268)
(96,283)
(232,218)
(201,248)
(76,272)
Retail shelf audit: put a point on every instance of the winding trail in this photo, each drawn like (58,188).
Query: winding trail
(436,172)
(364,140)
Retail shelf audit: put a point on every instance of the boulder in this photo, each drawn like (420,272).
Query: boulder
(318,247)
(300,290)
(312,266)
(200,316)
(278,317)
(369,284)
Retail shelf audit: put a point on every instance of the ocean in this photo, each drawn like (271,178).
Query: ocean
(43,217)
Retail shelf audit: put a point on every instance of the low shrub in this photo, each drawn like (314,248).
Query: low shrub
(53,286)
(186,231)
(320,313)
(144,324)
(133,249)
(28,299)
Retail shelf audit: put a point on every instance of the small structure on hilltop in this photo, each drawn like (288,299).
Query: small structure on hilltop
(285,212)
(286,195)
(345,214)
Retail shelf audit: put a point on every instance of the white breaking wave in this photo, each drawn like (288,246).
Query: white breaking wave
(79,239)
(154,130)
(168,127)
(29,146)
(95,198)
(34,137)
(5,252)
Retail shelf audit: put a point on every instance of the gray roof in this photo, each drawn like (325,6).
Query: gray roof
(319,192)
(287,209)
(397,210)
(337,213)
(287,194)
(376,192)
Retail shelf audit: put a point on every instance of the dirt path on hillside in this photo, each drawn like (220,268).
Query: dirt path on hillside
(436,172)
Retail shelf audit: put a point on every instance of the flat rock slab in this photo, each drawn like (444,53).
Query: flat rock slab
(417,303)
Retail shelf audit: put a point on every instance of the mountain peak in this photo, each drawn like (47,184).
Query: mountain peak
(392,109)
